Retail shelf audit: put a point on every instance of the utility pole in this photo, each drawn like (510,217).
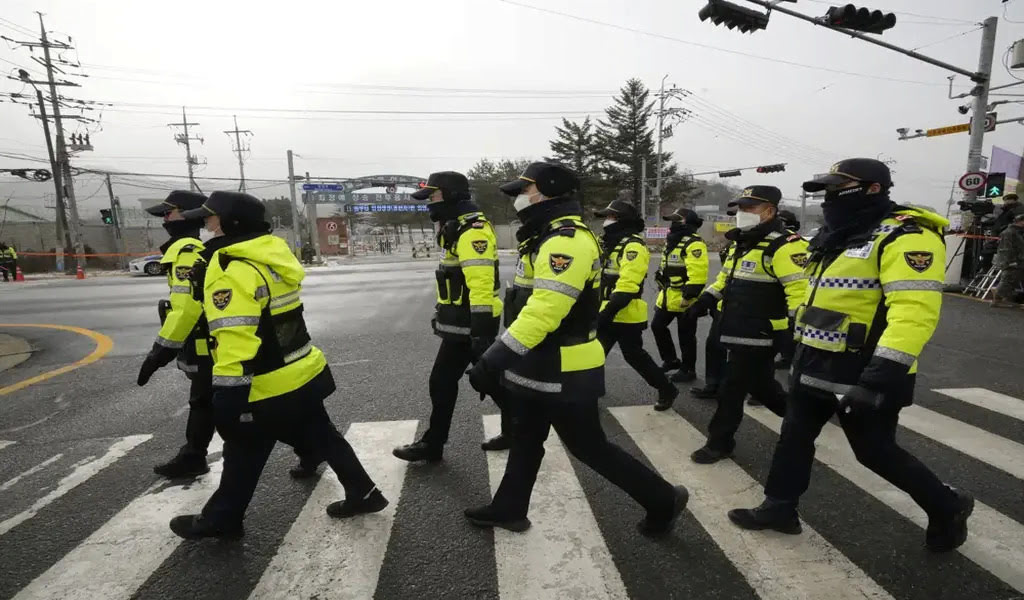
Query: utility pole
(186,140)
(60,217)
(296,230)
(314,230)
(661,129)
(240,150)
(988,45)
(115,205)
(803,207)
(643,188)
(62,151)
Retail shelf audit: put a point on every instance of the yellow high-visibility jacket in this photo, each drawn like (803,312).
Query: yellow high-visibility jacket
(683,274)
(467,279)
(623,272)
(184,328)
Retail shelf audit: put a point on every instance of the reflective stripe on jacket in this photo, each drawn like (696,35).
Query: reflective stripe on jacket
(684,265)
(623,272)
(467,277)
(184,329)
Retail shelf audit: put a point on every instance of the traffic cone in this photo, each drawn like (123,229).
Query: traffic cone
(18,276)
(79,274)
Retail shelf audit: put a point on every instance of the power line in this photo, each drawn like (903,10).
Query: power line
(955,35)
(335,111)
(716,48)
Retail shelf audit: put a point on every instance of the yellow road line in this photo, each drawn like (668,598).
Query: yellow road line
(103,345)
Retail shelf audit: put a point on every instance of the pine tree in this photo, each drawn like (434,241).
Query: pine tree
(575,147)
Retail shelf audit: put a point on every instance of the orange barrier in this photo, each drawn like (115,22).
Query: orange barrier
(92,255)
(79,274)
(976,237)
(18,275)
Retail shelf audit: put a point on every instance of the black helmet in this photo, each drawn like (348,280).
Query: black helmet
(789,218)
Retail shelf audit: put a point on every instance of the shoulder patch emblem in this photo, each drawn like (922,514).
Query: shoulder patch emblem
(919,261)
(631,255)
(182,272)
(799,259)
(480,246)
(696,252)
(559,263)
(221,299)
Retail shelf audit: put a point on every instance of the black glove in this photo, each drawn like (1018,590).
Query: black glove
(484,378)
(616,302)
(158,357)
(479,345)
(197,277)
(692,290)
(860,401)
(705,302)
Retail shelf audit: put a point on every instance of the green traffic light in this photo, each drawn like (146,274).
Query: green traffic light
(994,192)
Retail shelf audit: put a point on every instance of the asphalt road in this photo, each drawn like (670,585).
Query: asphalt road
(82,515)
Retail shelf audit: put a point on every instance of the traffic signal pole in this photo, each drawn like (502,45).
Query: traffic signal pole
(988,46)
(116,218)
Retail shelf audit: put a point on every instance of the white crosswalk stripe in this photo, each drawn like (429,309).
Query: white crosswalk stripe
(989,400)
(777,566)
(994,542)
(5,443)
(573,550)
(564,549)
(348,553)
(115,560)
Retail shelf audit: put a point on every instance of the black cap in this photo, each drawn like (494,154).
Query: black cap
(1011,197)
(1019,217)
(552,180)
(620,209)
(789,218)
(180,200)
(685,215)
(451,183)
(230,206)
(758,193)
(867,170)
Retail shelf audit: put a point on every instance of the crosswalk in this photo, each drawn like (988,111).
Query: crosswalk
(580,546)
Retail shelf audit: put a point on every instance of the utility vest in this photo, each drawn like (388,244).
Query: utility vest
(453,309)
(636,311)
(672,275)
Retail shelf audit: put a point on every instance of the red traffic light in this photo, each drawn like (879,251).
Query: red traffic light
(771,168)
(421,184)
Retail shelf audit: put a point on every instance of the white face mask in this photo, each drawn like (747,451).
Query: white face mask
(522,202)
(746,220)
(608,222)
(205,236)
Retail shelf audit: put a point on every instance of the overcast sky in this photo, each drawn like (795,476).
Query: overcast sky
(224,57)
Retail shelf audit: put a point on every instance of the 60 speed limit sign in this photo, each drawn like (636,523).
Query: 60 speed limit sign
(972,182)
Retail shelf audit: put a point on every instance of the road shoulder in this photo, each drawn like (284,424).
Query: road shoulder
(13,351)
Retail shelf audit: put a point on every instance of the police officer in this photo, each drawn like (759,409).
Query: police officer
(623,318)
(761,283)
(468,309)
(788,345)
(269,380)
(877,272)
(8,261)
(551,363)
(681,279)
(183,332)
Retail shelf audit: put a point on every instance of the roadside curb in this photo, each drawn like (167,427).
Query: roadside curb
(13,351)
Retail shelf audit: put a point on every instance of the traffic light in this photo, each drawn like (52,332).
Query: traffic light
(733,16)
(995,186)
(106,216)
(859,19)
(771,168)
(729,174)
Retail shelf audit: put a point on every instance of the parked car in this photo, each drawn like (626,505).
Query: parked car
(147,265)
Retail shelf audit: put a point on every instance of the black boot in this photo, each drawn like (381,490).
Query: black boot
(418,451)
(708,456)
(485,516)
(671,365)
(662,525)
(350,507)
(666,397)
(498,442)
(752,401)
(944,535)
(304,470)
(683,376)
(183,465)
(707,392)
(194,527)
(777,515)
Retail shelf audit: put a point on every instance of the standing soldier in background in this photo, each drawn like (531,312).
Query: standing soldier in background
(183,332)
(760,286)
(681,279)
(1010,260)
(877,272)
(269,380)
(8,262)
(623,318)
(468,311)
(552,364)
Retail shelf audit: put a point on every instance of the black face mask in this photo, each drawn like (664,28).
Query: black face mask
(843,206)
(180,229)
(441,211)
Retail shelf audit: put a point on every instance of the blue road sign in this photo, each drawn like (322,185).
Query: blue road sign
(322,187)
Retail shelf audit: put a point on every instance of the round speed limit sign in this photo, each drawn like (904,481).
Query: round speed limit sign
(332,226)
(971,182)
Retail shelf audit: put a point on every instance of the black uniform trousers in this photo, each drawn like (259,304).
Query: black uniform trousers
(630,338)
(749,370)
(715,356)
(872,438)
(453,358)
(200,425)
(250,434)
(686,329)
(576,421)
(8,268)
